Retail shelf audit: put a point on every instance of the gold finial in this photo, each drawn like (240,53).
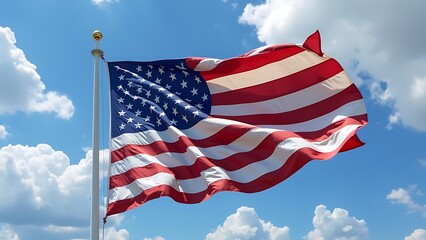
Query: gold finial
(97,35)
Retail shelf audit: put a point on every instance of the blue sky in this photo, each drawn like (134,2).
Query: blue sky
(46,74)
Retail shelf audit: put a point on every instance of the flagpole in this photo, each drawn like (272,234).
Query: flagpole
(94,221)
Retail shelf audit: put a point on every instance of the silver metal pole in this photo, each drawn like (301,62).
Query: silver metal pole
(94,221)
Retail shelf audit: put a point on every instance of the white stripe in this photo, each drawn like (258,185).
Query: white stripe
(289,102)
(207,64)
(210,126)
(245,143)
(201,130)
(244,175)
(351,109)
(266,73)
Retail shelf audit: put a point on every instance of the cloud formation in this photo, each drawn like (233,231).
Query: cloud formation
(337,225)
(418,234)
(374,46)
(404,196)
(21,88)
(245,224)
(3,132)
(40,182)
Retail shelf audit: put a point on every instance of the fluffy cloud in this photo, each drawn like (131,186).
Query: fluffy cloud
(3,132)
(7,233)
(337,225)
(418,234)
(21,88)
(371,44)
(404,196)
(40,182)
(103,2)
(245,224)
(156,238)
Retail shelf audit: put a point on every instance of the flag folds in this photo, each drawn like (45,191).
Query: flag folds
(188,128)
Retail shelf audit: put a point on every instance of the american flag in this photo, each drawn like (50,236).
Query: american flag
(188,128)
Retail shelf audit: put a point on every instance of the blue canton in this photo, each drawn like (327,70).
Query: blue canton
(156,95)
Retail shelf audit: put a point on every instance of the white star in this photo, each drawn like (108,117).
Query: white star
(129,106)
(169,95)
(197,79)
(161,89)
(121,77)
(143,102)
(157,99)
(181,66)
(183,84)
(121,113)
(129,120)
(165,106)
(120,100)
(172,76)
(175,112)
(126,92)
(168,86)
(147,119)
(158,81)
(173,122)
(187,107)
(119,87)
(138,125)
(148,93)
(205,97)
(122,126)
(184,118)
(150,66)
(149,74)
(139,68)
(130,83)
(138,112)
(194,91)
(185,73)
(158,121)
(152,108)
(139,90)
(178,101)
(162,114)
(195,113)
(135,97)
(161,70)
(199,106)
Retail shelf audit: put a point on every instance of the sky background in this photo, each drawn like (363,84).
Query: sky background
(46,83)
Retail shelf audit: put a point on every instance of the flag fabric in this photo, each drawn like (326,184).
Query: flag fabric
(189,128)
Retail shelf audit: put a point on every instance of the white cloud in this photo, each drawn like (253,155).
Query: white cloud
(3,132)
(156,238)
(103,2)
(40,182)
(418,234)
(337,225)
(371,44)
(405,197)
(7,233)
(21,88)
(245,224)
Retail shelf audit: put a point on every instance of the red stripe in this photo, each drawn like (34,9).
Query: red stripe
(293,164)
(231,163)
(280,87)
(223,137)
(243,64)
(303,114)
